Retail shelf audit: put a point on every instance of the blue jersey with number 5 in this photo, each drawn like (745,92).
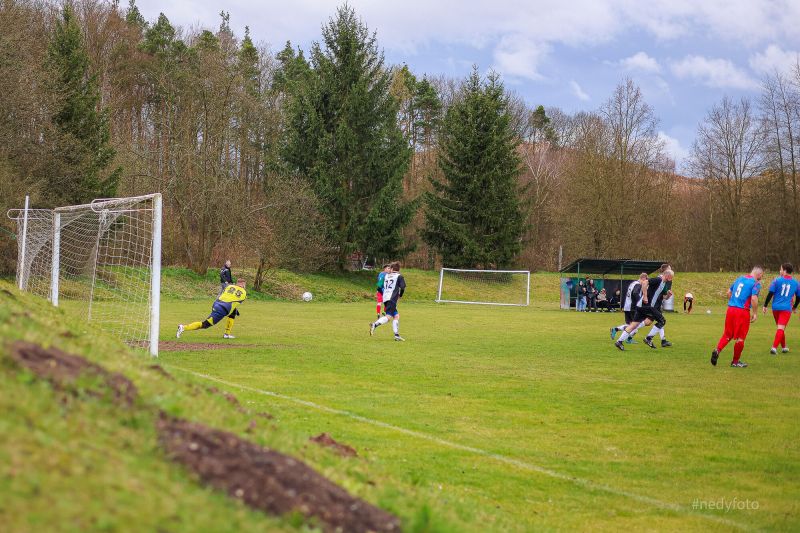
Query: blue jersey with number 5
(783,290)
(742,289)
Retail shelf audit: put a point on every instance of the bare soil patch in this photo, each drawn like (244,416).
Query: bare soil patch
(268,480)
(62,370)
(158,369)
(324,439)
(178,346)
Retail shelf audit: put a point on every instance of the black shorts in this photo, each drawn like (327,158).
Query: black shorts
(628,317)
(390,307)
(646,312)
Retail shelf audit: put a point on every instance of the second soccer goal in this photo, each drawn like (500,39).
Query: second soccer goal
(484,287)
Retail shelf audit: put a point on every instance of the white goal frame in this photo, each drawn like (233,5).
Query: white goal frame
(53,241)
(527,286)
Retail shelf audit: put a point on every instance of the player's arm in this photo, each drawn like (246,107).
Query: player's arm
(754,308)
(401,286)
(770,294)
(796,299)
(645,283)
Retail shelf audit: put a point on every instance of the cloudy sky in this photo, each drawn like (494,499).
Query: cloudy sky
(685,54)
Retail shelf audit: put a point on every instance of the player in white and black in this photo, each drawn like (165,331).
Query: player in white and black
(644,295)
(664,290)
(394,285)
(627,308)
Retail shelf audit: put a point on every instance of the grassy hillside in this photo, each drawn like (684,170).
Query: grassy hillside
(708,288)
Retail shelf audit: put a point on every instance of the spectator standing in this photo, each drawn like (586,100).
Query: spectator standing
(225,276)
(591,295)
(580,301)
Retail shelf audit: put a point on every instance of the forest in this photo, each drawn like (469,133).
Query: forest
(330,158)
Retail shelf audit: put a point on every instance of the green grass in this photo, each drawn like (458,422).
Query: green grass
(486,419)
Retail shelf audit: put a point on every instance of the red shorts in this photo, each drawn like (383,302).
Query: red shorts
(737,323)
(379,297)
(782,317)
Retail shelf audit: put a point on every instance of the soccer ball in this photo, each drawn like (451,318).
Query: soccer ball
(708,311)
(307,296)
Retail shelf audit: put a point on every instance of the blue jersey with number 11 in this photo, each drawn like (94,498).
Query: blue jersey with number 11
(784,289)
(742,289)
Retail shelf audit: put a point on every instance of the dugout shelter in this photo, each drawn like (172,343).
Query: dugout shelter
(608,274)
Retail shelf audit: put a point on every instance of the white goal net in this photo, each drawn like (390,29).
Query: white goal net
(101,259)
(487,287)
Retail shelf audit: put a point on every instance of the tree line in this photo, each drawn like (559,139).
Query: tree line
(321,158)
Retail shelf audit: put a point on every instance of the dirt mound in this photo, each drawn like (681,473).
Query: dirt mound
(63,370)
(160,370)
(323,439)
(267,480)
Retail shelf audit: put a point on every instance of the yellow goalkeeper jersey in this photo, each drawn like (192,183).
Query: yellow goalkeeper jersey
(233,294)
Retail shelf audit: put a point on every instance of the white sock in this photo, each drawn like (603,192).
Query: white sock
(396,326)
(624,336)
(382,320)
(621,328)
(653,332)
(661,333)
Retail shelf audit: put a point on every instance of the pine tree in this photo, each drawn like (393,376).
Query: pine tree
(474,217)
(342,135)
(80,124)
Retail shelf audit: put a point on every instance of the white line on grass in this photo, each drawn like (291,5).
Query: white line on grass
(522,465)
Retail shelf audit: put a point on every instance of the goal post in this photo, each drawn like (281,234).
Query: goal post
(101,259)
(484,287)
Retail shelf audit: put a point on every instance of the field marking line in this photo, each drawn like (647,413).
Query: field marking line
(522,465)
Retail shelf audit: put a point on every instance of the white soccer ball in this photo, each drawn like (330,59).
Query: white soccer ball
(307,296)
(708,311)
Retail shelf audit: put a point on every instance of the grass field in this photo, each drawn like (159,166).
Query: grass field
(485,419)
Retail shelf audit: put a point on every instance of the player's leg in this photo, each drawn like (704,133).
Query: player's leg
(741,328)
(781,320)
(626,333)
(390,310)
(727,334)
(621,327)
(218,311)
(205,324)
(396,326)
(378,302)
(658,328)
(229,324)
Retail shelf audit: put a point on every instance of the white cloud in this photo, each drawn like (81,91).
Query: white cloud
(673,147)
(718,73)
(774,59)
(642,62)
(417,24)
(519,56)
(578,91)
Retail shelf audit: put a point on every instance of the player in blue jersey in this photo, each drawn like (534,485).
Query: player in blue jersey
(379,289)
(783,289)
(742,311)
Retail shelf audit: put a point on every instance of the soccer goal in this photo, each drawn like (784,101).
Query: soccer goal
(101,259)
(485,287)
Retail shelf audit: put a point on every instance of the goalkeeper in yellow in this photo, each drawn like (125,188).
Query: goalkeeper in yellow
(226,306)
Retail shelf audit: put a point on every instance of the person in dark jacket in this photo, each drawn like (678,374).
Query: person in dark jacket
(591,295)
(580,300)
(225,276)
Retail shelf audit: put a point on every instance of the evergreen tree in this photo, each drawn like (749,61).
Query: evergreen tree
(81,125)
(474,217)
(541,128)
(342,135)
(134,17)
